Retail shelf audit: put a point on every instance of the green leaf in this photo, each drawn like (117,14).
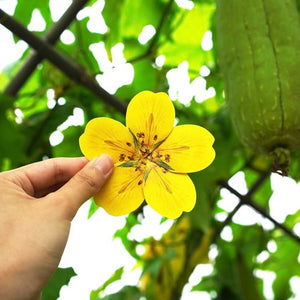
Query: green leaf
(185,44)
(196,22)
(47,121)
(144,76)
(3,80)
(112,13)
(70,144)
(144,79)
(95,294)
(133,49)
(292,220)
(79,50)
(126,293)
(223,280)
(24,9)
(60,278)
(124,20)
(200,216)
(132,23)
(93,208)
(122,233)
(246,279)
(264,192)
(10,134)
(284,262)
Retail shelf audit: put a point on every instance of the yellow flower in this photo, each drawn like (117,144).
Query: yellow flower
(151,157)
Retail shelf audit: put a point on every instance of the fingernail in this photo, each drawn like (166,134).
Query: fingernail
(104,163)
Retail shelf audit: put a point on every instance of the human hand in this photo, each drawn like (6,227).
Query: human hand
(37,205)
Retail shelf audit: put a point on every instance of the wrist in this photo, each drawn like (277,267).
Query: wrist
(13,285)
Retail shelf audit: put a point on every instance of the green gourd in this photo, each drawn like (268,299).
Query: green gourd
(259,53)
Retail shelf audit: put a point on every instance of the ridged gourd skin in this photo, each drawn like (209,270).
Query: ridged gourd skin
(259,52)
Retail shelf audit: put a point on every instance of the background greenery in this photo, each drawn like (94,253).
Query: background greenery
(167,263)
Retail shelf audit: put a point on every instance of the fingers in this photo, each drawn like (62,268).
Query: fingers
(39,178)
(86,183)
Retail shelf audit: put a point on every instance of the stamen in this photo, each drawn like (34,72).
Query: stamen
(155,137)
(140,182)
(128,144)
(122,157)
(167,157)
(140,135)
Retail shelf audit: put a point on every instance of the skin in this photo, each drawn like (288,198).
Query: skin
(37,205)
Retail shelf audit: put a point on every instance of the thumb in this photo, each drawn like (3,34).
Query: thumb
(85,184)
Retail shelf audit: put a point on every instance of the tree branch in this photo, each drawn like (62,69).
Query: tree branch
(253,189)
(51,37)
(73,70)
(247,200)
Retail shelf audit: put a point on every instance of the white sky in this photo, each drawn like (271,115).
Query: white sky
(90,249)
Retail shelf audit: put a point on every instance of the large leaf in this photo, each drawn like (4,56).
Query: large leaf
(187,37)
(69,146)
(247,281)
(112,13)
(200,216)
(95,294)
(24,9)
(284,262)
(60,278)
(126,293)
(132,23)
(79,50)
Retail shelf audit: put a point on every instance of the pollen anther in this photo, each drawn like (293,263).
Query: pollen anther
(122,157)
(140,135)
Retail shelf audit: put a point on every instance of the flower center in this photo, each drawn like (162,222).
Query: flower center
(145,157)
(146,151)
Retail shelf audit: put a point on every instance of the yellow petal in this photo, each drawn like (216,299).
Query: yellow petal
(169,193)
(104,135)
(187,149)
(150,115)
(122,193)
